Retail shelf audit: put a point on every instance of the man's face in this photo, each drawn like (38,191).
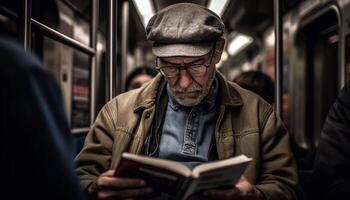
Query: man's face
(189,90)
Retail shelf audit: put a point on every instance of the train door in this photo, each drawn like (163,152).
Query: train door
(316,81)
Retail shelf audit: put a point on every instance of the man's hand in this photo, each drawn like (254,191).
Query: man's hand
(243,190)
(111,187)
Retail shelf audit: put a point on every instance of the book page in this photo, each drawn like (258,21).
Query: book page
(161,175)
(220,164)
(160,163)
(220,173)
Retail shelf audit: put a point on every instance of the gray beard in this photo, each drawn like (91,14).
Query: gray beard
(202,93)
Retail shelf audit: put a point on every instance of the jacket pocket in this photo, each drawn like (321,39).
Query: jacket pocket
(233,144)
(248,143)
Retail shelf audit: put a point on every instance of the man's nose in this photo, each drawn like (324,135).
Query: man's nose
(185,79)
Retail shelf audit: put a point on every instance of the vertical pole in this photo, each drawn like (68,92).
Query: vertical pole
(94,64)
(278,19)
(26,31)
(125,32)
(111,53)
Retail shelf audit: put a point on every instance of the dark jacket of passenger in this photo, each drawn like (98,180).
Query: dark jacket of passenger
(332,164)
(36,152)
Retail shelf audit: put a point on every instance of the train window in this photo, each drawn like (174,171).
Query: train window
(65,17)
(80,116)
(315,81)
(72,70)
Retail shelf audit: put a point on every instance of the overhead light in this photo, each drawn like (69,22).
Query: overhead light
(218,65)
(218,6)
(145,9)
(224,56)
(238,42)
(270,39)
(246,67)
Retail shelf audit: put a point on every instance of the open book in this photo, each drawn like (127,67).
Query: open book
(176,179)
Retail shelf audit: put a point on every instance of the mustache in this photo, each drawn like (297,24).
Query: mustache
(191,89)
(186,92)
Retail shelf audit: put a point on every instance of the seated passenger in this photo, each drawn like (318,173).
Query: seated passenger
(140,76)
(332,164)
(36,145)
(257,82)
(191,114)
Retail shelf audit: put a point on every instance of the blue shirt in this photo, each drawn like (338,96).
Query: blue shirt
(187,132)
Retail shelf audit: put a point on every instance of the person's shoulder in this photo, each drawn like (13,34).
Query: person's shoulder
(16,62)
(125,99)
(11,51)
(253,106)
(130,100)
(248,97)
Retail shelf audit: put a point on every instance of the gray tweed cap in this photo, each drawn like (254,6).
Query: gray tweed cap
(184,29)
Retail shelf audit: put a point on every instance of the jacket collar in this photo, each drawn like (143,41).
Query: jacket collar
(147,95)
(228,94)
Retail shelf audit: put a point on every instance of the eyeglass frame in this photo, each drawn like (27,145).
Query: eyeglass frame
(185,67)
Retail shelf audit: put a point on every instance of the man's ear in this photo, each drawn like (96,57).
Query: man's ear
(219,48)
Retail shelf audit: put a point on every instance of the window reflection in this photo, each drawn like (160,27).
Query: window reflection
(71,68)
(81,91)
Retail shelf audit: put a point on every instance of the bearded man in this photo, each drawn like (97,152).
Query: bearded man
(191,114)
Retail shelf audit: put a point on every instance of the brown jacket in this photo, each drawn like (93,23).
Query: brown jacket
(246,125)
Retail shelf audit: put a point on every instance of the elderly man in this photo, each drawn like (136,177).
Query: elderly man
(191,114)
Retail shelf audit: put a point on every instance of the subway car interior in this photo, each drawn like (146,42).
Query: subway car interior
(90,47)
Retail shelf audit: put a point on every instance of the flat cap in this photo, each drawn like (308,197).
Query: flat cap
(184,29)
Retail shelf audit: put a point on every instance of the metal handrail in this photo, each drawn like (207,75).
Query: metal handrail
(61,37)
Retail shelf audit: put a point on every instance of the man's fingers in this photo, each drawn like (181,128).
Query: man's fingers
(123,194)
(222,194)
(109,173)
(241,181)
(200,197)
(119,183)
(135,192)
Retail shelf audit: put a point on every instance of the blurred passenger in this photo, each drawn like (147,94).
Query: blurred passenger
(175,116)
(257,82)
(36,146)
(332,164)
(139,76)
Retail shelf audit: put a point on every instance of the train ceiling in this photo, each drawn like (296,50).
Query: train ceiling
(246,16)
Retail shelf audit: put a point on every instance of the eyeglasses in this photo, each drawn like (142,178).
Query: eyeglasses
(194,70)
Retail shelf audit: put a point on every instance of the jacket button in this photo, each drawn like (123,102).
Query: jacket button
(148,115)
